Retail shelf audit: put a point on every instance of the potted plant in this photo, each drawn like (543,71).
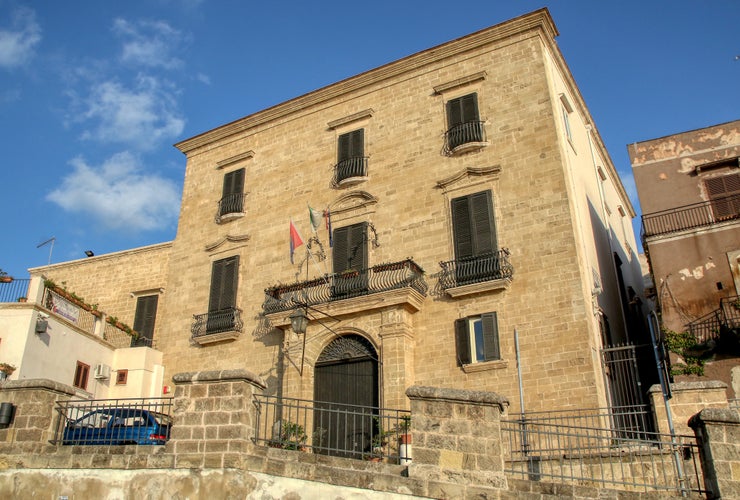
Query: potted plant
(4,278)
(6,370)
(404,440)
(293,436)
(22,299)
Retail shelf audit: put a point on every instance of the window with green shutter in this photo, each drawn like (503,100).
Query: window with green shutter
(222,300)
(351,161)
(463,121)
(477,339)
(474,237)
(146,313)
(349,259)
(232,197)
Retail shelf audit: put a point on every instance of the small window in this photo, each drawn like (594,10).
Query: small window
(232,198)
(463,122)
(81,375)
(351,161)
(566,124)
(146,313)
(121,377)
(476,339)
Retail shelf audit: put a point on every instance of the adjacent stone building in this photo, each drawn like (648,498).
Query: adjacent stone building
(459,195)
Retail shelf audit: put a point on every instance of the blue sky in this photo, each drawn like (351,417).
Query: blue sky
(93,93)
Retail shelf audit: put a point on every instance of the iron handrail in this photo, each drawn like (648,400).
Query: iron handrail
(355,166)
(223,320)
(705,213)
(464,133)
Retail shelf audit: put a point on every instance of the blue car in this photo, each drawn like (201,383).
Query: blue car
(118,426)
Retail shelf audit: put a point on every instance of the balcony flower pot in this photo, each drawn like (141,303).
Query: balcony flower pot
(6,279)
(22,299)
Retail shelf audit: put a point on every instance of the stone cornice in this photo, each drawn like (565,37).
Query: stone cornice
(218,376)
(538,20)
(457,396)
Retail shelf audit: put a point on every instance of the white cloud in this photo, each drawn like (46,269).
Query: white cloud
(17,43)
(148,43)
(141,117)
(118,195)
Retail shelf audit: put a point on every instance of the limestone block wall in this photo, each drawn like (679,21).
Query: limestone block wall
(689,398)
(719,432)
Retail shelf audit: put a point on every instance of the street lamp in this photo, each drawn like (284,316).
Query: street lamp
(299,321)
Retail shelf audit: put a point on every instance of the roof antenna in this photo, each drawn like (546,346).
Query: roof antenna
(50,240)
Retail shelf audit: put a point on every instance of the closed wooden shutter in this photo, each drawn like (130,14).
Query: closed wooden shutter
(491,349)
(350,248)
(351,145)
(473,225)
(462,110)
(224,281)
(233,189)
(721,191)
(462,342)
(146,312)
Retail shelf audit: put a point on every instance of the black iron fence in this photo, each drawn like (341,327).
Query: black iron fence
(464,133)
(706,328)
(691,216)
(348,168)
(140,421)
(14,291)
(588,447)
(337,286)
(469,270)
(341,430)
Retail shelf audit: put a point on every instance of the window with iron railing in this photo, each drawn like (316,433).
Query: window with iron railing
(464,125)
(351,159)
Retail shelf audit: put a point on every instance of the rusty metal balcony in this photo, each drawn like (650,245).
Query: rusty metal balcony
(339,286)
(696,215)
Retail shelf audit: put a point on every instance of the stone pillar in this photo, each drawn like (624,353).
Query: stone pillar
(718,432)
(35,418)
(457,436)
(213,414)
(397,336)
(689,398)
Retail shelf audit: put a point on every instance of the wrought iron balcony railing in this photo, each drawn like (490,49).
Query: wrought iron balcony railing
(711,325)
(215,322)
(691,216)
(464,133)
(349,168)
(469,270)
(338,286)
(230,204)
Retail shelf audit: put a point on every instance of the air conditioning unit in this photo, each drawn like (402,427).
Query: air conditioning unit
(101,371)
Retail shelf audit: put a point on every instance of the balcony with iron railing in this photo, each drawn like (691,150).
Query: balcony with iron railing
(350,171)
(230,207)
(217,326)
(464,137)
(15,290)
(405,274)
(723,319)
(467,275)
(696,215)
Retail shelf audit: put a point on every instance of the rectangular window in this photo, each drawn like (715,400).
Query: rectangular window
(121,377)
(222,300)
(476,339)
(566,124)
(349,259)
(474,236)
(146,313)
(351,156)
(724,192)
(463,121)
(81,375)
(232,198)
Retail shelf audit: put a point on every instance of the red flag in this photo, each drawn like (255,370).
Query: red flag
(295,239)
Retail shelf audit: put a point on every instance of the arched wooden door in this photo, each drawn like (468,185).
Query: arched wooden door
(346,395)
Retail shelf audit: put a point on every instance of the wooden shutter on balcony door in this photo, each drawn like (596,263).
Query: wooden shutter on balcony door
(350,248)
(351,144)
(224,280)
(462,110)
(473,225)
(718,188)
(146,312)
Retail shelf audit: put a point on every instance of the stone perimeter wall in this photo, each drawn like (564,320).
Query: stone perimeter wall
(456,433)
